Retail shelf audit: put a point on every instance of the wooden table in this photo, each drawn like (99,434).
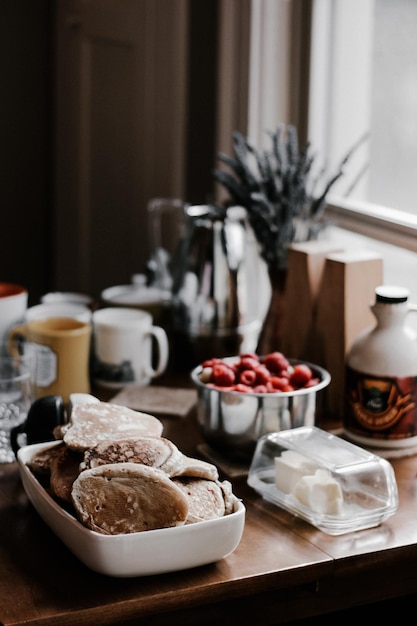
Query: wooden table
(283,569)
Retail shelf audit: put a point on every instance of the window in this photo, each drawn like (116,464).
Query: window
(363,77)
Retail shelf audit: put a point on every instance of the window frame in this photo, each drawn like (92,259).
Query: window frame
(268,104)
(377,222)
(330,25)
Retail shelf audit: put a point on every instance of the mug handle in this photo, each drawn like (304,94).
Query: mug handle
(14,338)
(163,352)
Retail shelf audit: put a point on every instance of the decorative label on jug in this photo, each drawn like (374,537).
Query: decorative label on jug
(381,408)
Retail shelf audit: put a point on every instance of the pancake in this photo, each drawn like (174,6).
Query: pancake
(205,498)
(65,468)
(122,498)
(152,451)
(195,468)
(102,421)
(40,462)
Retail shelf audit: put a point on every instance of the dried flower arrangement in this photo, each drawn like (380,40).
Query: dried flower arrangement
(285,202)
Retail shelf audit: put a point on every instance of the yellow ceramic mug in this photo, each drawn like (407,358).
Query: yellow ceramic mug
(62,349)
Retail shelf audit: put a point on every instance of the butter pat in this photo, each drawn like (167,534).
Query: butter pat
(290,467)
(320,492)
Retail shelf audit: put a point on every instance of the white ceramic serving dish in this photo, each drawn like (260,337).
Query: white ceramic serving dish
(367,481)
(135,554)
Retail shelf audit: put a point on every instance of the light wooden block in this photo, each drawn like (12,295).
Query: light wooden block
(305,268)
(343,311)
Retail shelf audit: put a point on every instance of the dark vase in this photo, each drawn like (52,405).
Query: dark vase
(271,335)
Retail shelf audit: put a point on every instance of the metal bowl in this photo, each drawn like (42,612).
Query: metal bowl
(232,422)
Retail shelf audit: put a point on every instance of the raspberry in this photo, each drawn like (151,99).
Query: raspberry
(278,383)
(247,377)
(222,375)
(262,375)
(251,374)
(301,375)
(269,387)
(251,355)
(312,382)
(276,362)
(243,388)
(210,362)
(260,389)
(248,363)
(220,387)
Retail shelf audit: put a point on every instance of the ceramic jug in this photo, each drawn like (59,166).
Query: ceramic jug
(381,376)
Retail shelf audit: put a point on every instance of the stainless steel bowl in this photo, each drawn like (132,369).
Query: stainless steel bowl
(232,422)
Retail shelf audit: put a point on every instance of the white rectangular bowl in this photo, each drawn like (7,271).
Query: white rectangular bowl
(135,554)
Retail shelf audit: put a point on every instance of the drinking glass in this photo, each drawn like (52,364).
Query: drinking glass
(167,223)
(16,397)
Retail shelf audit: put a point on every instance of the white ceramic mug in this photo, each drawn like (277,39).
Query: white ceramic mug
(45,310)
(13,304)
(138,296)
(62,297)
(123,347)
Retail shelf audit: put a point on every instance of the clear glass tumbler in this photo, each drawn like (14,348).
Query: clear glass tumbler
(16,397)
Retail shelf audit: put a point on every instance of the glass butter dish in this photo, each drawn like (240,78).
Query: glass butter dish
(329,482)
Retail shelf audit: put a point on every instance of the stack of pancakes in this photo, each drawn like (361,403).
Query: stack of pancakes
(118,473)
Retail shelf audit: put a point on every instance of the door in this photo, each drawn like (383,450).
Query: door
(121,111)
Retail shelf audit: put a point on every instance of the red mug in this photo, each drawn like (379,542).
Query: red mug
(13,305)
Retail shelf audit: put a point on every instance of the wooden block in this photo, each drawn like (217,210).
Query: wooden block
(305,268)
(343,311)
